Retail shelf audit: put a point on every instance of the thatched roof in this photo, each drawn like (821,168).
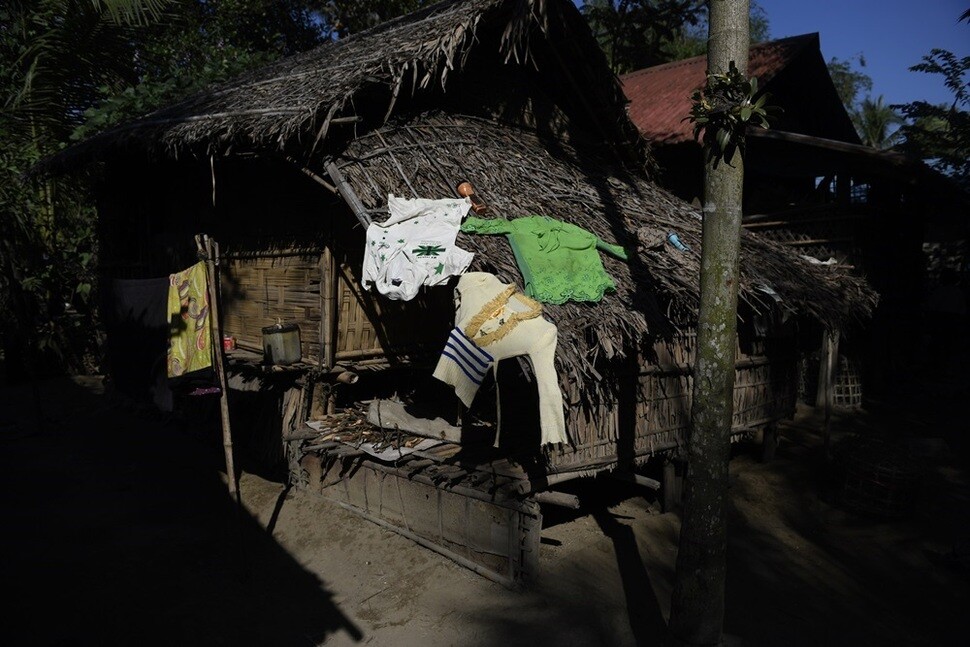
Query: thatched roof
(295,103)
(292,106)
(518,173)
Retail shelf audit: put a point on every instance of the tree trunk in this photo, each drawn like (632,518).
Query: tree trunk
(697,600)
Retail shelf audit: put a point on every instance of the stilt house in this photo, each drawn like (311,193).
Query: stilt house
(286,164)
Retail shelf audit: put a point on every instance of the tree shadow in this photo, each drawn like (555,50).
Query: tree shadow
(801,568)
(119,530)
(646,619)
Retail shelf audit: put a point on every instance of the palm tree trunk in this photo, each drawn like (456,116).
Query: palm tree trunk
(697,600)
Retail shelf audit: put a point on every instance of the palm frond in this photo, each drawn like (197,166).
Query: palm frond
(131,12)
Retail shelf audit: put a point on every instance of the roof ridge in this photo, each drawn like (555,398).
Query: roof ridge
(807,37)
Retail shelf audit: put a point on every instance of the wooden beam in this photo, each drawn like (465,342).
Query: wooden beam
(561,499)
(310,174)
(828,365)
(328,306)
(348,194)
(631,477)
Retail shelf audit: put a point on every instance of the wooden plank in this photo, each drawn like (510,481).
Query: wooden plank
(497,539)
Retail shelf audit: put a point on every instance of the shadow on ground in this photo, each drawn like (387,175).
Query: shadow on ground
(801,571)
(118,530)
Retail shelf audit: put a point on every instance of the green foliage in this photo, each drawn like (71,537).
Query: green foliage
(877,123)
(850,83)
(345,17)
(724,108)
(205,43)
(640,33)
(53,55)
(758,24)
(131,13)
(47,262)
(940,134)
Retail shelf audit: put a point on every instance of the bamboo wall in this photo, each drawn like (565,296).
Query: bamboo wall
(256,292)
(764,392)
(275,227)
(295,286)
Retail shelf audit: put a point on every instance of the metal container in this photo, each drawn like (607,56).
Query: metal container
(281,344)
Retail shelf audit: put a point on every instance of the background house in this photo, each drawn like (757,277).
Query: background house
(810,184)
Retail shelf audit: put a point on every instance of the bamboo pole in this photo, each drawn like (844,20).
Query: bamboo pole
(328,298)
(212,261)
(827,366)
(310,174)
(348,194)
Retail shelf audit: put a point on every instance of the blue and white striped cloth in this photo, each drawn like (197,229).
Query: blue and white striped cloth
(463,365)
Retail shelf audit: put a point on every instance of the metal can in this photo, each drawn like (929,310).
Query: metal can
(228,343)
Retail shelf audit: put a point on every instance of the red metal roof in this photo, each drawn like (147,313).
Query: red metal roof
(660,96)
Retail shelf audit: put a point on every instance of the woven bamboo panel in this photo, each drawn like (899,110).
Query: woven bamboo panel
(356,336)
(847,391)
(764,392)
(258,292)
(371,325)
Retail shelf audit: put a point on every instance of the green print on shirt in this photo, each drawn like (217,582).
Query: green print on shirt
(428,250)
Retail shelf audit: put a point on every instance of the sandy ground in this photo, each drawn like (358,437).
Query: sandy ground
(118,530)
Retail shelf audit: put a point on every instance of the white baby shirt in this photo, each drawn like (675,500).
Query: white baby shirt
(415,246)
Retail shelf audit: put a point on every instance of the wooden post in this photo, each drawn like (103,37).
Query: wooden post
(212,262)
(769,442)
(328,301)
(672,486)
(827,365)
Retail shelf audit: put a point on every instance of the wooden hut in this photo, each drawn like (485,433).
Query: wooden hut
(285,165)
(811,185)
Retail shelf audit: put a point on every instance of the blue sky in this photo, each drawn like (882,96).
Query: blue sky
(892,35)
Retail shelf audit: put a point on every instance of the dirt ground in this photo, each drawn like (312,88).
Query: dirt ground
(118,530)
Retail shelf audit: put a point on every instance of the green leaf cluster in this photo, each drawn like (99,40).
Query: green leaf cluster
(724,108)
(345,17)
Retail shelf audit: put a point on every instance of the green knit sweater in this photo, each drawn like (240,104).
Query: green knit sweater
(558,260)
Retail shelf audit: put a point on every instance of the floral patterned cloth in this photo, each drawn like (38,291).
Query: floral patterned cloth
(190,337)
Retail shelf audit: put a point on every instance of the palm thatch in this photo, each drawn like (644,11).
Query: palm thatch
(295,103)
(518,173)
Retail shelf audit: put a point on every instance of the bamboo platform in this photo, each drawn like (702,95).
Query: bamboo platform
(474,514)
(469,503)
